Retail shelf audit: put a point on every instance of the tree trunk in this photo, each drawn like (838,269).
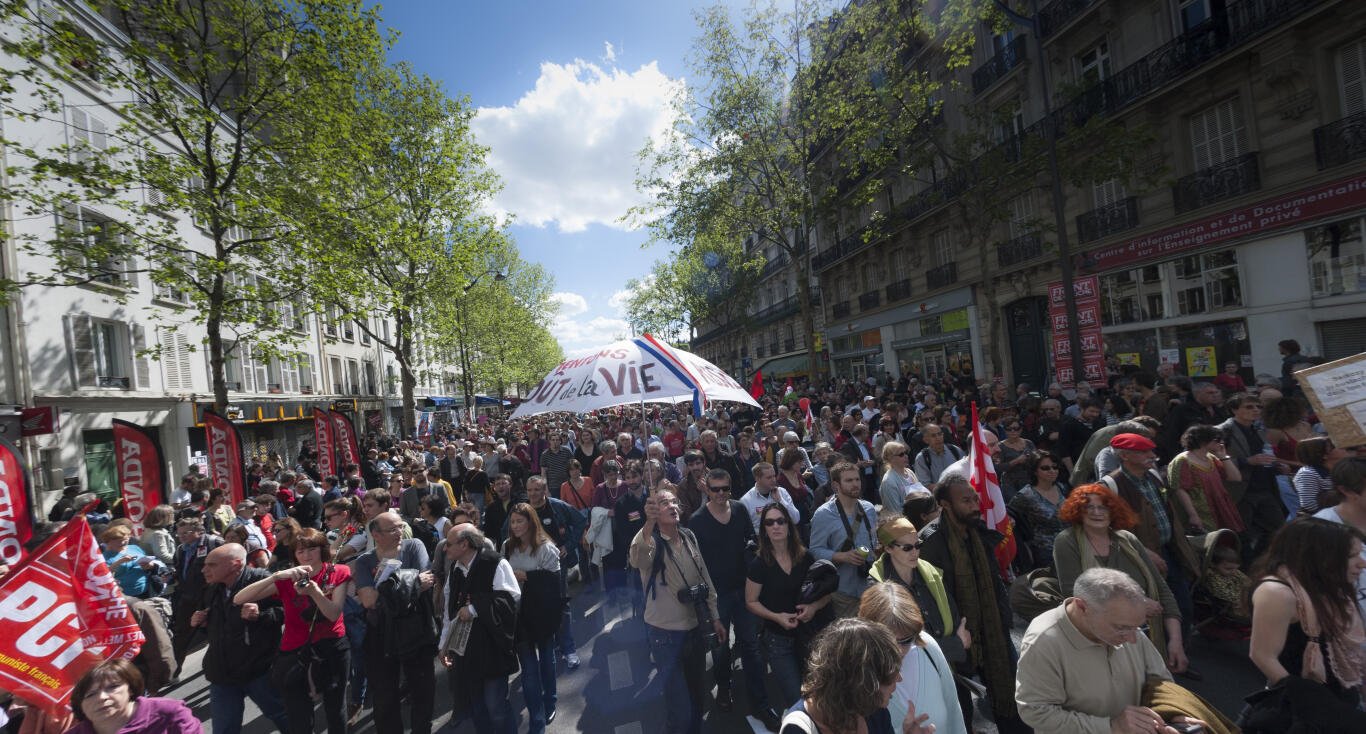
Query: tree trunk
(213,326)
(408,381)
(808,318)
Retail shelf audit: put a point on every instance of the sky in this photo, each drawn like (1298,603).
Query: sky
(567,94)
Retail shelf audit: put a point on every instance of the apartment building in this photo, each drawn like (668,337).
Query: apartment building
(1253,233)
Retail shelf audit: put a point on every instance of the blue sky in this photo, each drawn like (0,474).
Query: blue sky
(567,93)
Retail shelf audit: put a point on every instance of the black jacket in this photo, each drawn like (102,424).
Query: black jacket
(240,651)
(190,584)
(489,652)
(308,510)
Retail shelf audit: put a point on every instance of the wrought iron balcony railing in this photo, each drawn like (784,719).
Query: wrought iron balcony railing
(842,309)
(871,299)
(942,276)
(1228,179)
(1341,142)
(899,290)
(1107,220)
(1010,56)
(1024,248)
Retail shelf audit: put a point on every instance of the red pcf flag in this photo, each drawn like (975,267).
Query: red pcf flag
(16,507)
(225,456)
(322,440)
(61,612)
(756,386)
(139,466)
(346,438)
(982,477)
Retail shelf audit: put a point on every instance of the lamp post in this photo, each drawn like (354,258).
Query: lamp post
(1059,197)
(466,382)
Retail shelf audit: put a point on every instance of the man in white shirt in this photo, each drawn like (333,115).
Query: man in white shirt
(765,492)
(481,592)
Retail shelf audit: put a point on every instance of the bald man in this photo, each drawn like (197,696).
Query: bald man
(243,641)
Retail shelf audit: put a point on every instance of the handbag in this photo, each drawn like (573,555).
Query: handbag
(292,668)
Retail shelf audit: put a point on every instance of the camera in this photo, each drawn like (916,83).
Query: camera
(1184,728)
(696,595)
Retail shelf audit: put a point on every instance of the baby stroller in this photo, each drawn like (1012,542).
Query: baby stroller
(1220,599)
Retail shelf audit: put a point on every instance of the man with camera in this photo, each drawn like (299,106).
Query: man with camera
(842,533)
(680,609)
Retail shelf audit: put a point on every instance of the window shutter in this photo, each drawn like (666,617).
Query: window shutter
(80,133)
(175,360)
(142,364)
(99,134)
(305,372)
(248,372)
(82,350)
(1352,75)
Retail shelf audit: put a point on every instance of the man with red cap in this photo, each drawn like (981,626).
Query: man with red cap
(1161,530)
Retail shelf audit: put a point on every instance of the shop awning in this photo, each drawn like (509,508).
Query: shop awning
(488,400)
(793,364)
(442,402)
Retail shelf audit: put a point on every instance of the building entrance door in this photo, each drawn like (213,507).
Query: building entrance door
(1026,322)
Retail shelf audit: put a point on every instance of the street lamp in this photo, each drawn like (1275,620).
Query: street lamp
(465,381)
(498,277)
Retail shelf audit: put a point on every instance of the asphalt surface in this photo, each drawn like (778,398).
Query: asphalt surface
(613,691)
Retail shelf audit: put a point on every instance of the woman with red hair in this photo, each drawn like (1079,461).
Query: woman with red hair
(1099,537)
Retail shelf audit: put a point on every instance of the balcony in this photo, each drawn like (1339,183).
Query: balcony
(1022,249)
(941,277)
(774,311)
(842,310)
(337,389)
(772,348)
(899,290)
(274,388)
(1059,13)
(306,389)
(1010,56)
(871,299)
(1341,142)
(234,385)
(774,265)
(118,383)
(846,246)
(1107,220)
(789,345)
(1229,179)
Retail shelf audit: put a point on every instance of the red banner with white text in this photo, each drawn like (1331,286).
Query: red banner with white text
(138,458)
(16,504)
(1086,290)
(324,443)
(225,456)
(346,438)
(61,612)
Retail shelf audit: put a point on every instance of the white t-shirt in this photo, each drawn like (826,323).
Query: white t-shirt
(1331,514)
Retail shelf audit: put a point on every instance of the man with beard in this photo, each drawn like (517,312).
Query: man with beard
(960,544)
(842,532)
(496,514)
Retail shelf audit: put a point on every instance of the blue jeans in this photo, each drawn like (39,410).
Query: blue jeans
(1181,589)
(566,635)
(680,664)
(354,614)
(538,681)
(785,657)
(226,702)
(489,706)
(730,605)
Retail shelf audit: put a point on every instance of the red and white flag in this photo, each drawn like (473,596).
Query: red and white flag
(787,387)
(982,477)
(139,468)
(61,612)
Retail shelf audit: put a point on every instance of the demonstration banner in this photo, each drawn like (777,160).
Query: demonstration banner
(139,464)
(346,438)
(16,505)
(326,446)
(225,456)
(61,613)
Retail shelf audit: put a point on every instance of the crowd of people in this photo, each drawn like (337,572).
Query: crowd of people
(839,554)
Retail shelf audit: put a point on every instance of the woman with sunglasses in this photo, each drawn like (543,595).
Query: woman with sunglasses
(899,481)
(773,589)
(902,565)
(1037,503)
(1016,455)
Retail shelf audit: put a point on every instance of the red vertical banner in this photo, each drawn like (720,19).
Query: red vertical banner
(346,438)
(61,613)
(16,504)
(139,465)
(324,443)
(1087,293)
(225,456)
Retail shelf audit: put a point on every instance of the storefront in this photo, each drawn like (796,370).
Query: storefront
(277,428)
(942,342)
(927,338)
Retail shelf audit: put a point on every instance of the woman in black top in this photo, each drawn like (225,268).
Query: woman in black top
(586,451)
(772,592)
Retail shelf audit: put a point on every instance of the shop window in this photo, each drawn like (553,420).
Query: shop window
(1337,258)
(931,326)
(1193,284)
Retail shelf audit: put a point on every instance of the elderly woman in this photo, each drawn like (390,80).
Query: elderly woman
(899,481)
(1197,477)
(1099,537)
(902,565)
(927,681)
(127,562)
(156,538)
(110,698)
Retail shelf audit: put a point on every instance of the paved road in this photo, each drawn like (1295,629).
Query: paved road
(612,693)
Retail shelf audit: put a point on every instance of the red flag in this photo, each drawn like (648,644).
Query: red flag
(16,505)
(225,456)
(756,387)
(346,438)
(61,613)
(139,468)
(982,477)
(325,445)
(787,388)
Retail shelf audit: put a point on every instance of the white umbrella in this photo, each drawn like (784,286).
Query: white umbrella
(639,370)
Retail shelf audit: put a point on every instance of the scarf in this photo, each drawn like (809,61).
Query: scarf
(975,574)
(1344,647)
(1157,631)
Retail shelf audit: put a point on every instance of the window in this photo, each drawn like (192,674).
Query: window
(102,244)
(175,360)
(942,248)
(110,364)
(1217,134)
(1093,64)
(89,136)
(306,382)
(106,353)
(348,331)
(869,277)
(363,326)
(194,186)
(289,373)
(338,377)
(1337,258)
(232,366)
(999,41)
(1109,192)
(330,321)
(1194,12)
(353,377)
(371,385)
(1194,284)
(1023,216)
(1011,122)
(1352,77)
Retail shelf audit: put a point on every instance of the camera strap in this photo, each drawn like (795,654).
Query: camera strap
(850,533)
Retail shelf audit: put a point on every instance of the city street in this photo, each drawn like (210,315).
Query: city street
(613,691)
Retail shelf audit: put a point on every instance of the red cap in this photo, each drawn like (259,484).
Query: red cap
(1132,442)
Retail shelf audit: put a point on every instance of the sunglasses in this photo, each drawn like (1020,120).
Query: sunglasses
(902,453)
(908,547)
(1049,467)
(719,489)
(771,521)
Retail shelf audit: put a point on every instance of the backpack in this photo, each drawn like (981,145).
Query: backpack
(425,532)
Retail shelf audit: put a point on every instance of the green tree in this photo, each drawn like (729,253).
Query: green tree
(708,282)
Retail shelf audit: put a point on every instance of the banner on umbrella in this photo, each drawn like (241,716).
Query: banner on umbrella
(323,441)
(139,469)
(61,613)
(345,434)
(16,504)
(225,456)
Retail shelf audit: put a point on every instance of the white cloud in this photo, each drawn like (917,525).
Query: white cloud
(584,336)
(571,304)
(567,149)
(609,52)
